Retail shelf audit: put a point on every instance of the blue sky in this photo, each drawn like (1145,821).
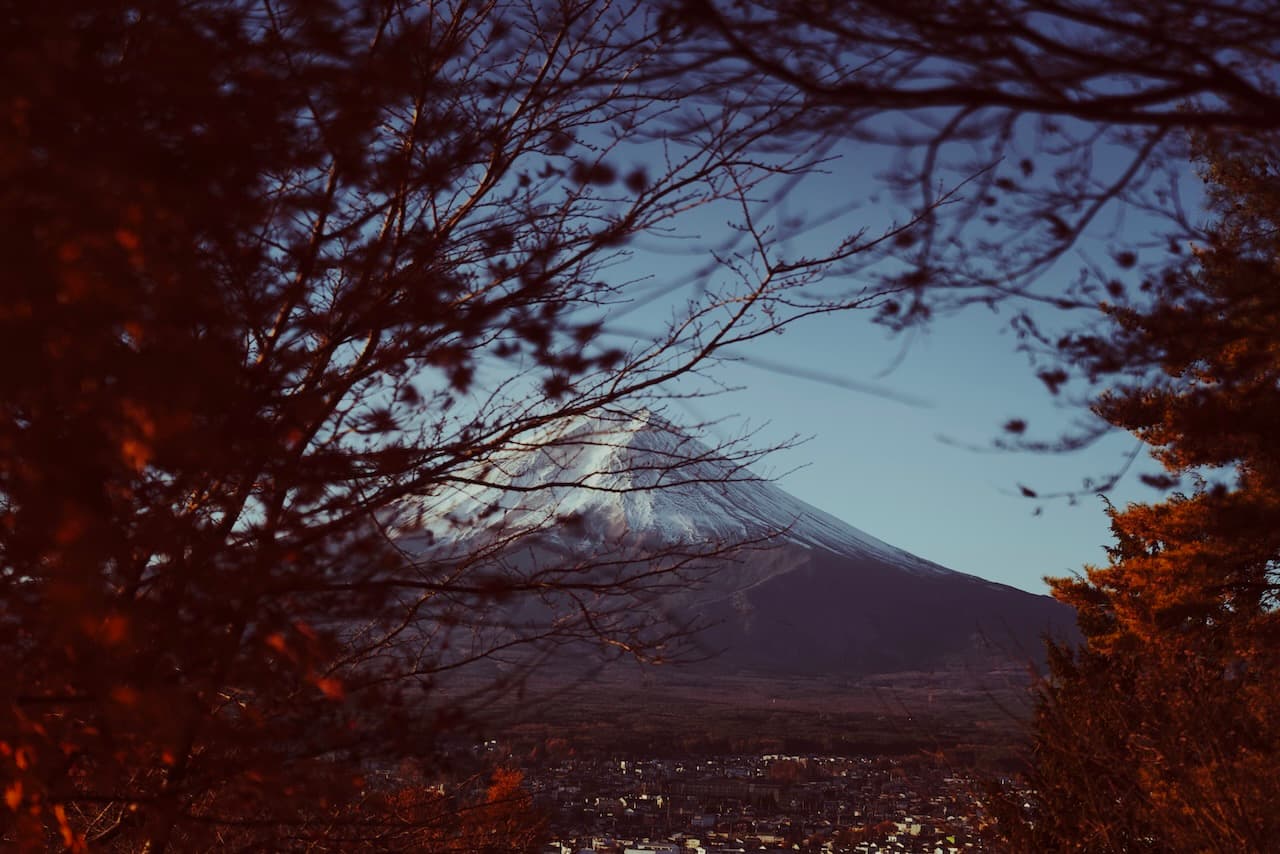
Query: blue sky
(900,471)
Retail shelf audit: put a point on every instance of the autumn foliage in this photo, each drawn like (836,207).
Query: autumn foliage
(263,261)
(1162,733)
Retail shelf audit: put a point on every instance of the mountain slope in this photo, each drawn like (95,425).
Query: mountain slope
(637,476)
(850,615)
(823,596)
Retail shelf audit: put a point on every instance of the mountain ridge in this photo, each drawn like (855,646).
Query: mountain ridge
(810,593)
(652,482)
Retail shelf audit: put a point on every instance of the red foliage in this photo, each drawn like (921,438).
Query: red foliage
(1163,732)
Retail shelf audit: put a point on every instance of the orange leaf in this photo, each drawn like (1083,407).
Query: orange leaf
(69,838)
(125,695)
(127,239)
(138,414)
(114,628)
(330,687)
(13,795)
(72,528)
(136,453)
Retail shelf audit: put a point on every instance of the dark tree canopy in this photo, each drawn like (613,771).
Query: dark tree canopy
(264,263)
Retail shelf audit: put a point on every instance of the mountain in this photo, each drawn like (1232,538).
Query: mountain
(808,594)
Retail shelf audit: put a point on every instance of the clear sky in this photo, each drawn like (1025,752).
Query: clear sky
(896,471)
(900,471)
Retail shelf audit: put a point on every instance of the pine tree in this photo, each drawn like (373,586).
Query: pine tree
(1162,733)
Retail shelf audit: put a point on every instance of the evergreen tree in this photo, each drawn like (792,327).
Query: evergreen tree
(1162,732)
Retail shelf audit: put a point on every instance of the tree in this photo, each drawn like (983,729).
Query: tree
(279,275)
(277,268)
(1161,732)
(1047,121)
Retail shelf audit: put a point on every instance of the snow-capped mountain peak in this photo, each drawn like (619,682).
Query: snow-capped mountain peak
(633,476)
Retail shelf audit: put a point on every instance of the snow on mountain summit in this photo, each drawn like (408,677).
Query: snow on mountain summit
(634,476)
